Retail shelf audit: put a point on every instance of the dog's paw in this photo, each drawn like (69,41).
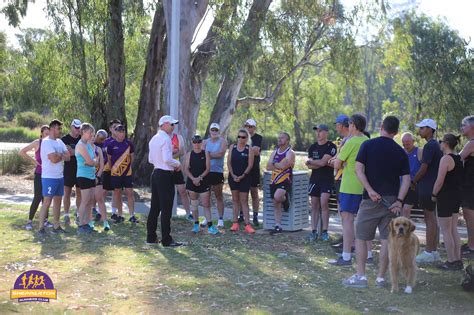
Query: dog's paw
(408,290)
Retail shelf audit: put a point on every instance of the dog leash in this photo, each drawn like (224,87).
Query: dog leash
(387,204)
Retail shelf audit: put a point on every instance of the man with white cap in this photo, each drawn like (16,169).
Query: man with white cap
(70,168)
(216,145)
(162,186)
(251,126)
(424,181)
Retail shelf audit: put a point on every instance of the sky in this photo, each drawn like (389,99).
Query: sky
(456,13)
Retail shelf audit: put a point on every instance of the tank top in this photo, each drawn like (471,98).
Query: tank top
(414,162)
(38,158)
(197,163)
(281,176)
(84,170)
(453,179)
(468,180)
(217,165)
(175,144)
(239,160)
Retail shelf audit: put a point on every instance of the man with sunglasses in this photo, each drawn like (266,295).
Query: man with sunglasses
(424,181)
(251,126)
(162,186)
(70,168)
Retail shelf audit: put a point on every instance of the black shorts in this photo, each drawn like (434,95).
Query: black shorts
(106,178)
(100,180)
(214,178)
(273,188)
(467,198)
(85,183)
(70,179)
(337,187)
(204,187)
(255,177)
(119,182)
(242,186)
(448,204)
(178,178)
(316,189)
(411,198)
(425,202)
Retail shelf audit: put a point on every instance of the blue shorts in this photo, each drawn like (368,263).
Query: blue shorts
(349,202)
(52,187)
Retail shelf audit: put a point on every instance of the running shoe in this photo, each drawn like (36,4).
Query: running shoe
(97,217)
(212,230)
(355,281)
(67,219)
(91,224)
(425,258)
(466,252)
(286,203)
(204,223)
(133,219)
(436,256)
(90,228)
(235,227)
(41,232)
(114,217)
(29,226)
(313,236)
(220,223)
(47,224)
(340,262)
(83,229)
(58,230)
(119,219)
(94,212)
(106,226)
(195,228)
(249,229)
(325,236)
(190,218)
(255,220)
(241,217)
(451,266)
(370,261)
(276,230)
(380,283)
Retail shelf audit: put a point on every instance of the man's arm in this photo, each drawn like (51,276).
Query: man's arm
(315,164)
(360,172)
(221,153)
(421,173)
(167,152)
(270,165)
(287,162)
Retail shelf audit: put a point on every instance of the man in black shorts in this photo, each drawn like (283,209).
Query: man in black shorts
(321,182)
(424,180)
(251,126)
(70,168)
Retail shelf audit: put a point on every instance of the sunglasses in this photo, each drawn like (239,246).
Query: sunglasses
(77,127)
(172,125)
(215,130)
(248,126)
(197,141)
(241,137)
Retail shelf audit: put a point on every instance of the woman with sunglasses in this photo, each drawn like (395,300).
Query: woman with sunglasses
(240,163)
(101,155)
(447,194)
(38,195)
(196,168)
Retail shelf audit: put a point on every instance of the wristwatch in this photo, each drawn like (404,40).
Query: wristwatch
(401,201)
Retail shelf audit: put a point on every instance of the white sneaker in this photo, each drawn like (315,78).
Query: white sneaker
(220,223)
(425,258)
(204,223)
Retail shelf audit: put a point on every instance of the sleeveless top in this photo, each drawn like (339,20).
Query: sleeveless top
(281,176)
(453,179)
(38,158)
(197,163)
(217,165)
(98,150)
(175,144)
(414,162)
(84,170)
(239,160)
(468,180)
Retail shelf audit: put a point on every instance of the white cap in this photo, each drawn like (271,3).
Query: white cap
(428,122)
(76,123)
(251,122)
(167,119)
(215,126)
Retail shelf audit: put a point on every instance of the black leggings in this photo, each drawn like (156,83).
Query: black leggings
(37,198)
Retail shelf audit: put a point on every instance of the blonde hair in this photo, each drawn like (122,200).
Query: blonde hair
(242,130)
(85,127)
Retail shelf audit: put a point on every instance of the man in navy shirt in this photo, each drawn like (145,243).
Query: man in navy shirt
(379,165)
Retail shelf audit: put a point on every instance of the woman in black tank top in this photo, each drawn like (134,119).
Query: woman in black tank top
(239,163)
(196,168)
(447,194)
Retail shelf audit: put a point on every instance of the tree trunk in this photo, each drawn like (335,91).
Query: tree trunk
(115,62)
(149,106)
(296,85)
(226,101)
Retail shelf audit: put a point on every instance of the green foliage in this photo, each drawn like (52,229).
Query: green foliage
(30,120)
(11,163)
(18,134)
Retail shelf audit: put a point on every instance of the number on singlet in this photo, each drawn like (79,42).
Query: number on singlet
(49,190)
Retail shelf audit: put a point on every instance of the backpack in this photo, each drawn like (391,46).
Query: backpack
(467,282)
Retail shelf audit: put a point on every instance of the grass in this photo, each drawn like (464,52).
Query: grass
(18,134)
(116,272)
(12,163)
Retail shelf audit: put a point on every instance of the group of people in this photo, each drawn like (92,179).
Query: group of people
(90,161)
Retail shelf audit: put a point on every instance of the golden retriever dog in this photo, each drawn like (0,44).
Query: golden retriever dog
(403,246)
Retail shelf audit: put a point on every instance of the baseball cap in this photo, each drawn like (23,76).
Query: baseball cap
(428,122)
(215,126)
(321,127)
(76,123)
(120,128)
(196,139)
(251,122)
(167,119)
(342,119)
